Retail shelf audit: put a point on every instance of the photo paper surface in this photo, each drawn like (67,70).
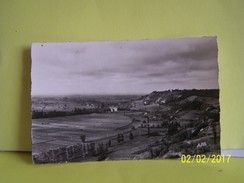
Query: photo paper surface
(124,100)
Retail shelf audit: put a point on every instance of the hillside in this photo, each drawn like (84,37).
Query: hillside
(164,99)
(191,118)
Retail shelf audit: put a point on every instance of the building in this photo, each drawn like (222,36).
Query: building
(113,109)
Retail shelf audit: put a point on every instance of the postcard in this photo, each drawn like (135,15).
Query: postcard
(125,100)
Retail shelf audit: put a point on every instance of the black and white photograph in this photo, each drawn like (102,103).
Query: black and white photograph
(125,100)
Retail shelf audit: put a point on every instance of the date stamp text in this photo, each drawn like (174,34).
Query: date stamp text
(201,158)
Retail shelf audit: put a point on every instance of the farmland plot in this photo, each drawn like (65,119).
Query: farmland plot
(70,128)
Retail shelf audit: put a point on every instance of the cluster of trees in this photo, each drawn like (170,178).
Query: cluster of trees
(49,114)
(201,93)
(152,126)
(194,105)
(54,113)
(173,128)
(120,137)
(102,151)
(62,154)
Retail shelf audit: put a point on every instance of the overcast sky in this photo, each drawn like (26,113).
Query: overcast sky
(124,67)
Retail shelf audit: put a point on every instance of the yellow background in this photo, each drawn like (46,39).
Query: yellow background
(25,21)
(17,167)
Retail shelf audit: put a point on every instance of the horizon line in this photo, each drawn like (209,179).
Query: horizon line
(116,94)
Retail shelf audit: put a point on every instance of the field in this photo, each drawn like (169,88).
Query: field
(155,126)
(68,129)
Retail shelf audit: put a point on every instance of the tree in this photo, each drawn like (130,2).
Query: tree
(131,136)
(122,137)
(172,128)
(93,150)
(102,151)
(84,149)
(83,137)
(118,138)
(109,143)
(148,126)
(81,150)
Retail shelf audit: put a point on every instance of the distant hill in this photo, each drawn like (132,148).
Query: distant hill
(163,97)
(164,100)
